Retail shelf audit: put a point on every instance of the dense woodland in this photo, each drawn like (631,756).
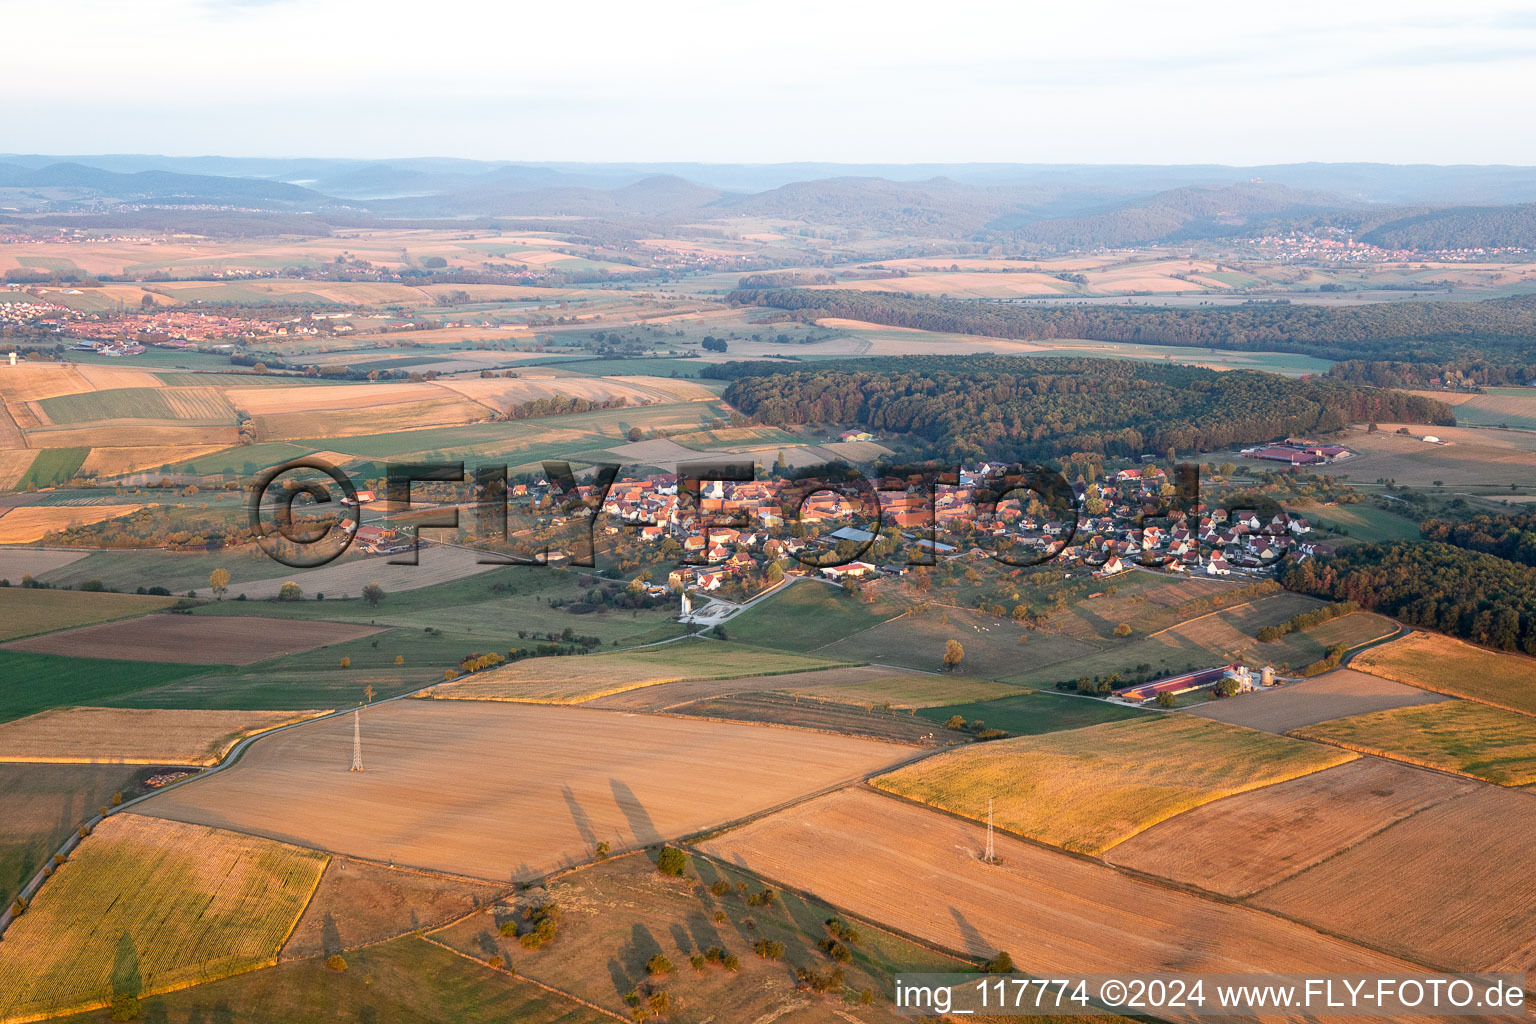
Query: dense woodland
(1000,407)
(1478,597)
(1512,537)
(1497,331)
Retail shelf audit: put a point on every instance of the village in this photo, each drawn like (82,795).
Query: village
(735,531)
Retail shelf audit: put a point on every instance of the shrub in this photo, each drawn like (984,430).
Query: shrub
(544,919)
(731,962)
(508,929)
(697,961)
(603,849)
(714,954)
(672,861)
(336,962)
(720,888)
(18,906)
(346,662)
(818,982)
(658,964)
(1166,700)
(1000,964)
(762,898)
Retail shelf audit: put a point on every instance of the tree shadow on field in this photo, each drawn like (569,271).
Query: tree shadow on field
(640,822)
(627,967)
(579,816)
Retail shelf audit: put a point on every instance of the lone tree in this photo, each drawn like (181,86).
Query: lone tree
(218,580)
(373,594)
(672,861)
(290,591)
(954,654)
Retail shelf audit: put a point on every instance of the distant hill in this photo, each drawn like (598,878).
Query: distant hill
(1462,227)
(162,185)
(1182,214)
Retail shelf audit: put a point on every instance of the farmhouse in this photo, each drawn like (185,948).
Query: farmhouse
(852,570)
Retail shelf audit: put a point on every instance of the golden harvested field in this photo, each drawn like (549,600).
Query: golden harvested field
(1089,789)
(1436,662)
(130,736)
(508,792)
(25,612)
(14,462)
(136,434)
(1458,736)
(1453,886)
(110,462)
(1474,458)
(32,380)
(576,680)
(268,401)
(501,394)
(366,903)
(193,904)
(106,378)
(358,422)
(1249,842)
(921,872)
(194,640)
(1335,694)
(29,524)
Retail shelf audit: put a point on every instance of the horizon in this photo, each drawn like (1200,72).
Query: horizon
(698,81)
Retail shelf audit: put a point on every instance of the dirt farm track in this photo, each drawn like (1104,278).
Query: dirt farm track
(510,791)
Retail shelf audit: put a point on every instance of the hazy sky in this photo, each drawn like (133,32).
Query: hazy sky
(1398,81)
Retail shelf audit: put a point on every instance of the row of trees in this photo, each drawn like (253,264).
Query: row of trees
(1404,331)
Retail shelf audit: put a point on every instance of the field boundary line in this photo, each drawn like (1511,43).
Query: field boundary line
(1449,798)
(525,978)
(1297,734)
(1197,618)
(1168,884)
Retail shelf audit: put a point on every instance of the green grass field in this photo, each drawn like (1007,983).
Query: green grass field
(37,682)
(177,571)
(138,403)
(1365,523)
(1500,407)
(26,612)
(405,981)
(53,466)
(1459,736)
(1033,713)
(1087,789)
(907,690)
(808,615)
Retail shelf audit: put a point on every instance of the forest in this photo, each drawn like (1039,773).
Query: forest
(1497,331)
(1507,536)
(1468,594)
(1004,408)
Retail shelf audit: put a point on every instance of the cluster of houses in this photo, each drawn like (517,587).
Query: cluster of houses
(33,313)
(1111,540)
